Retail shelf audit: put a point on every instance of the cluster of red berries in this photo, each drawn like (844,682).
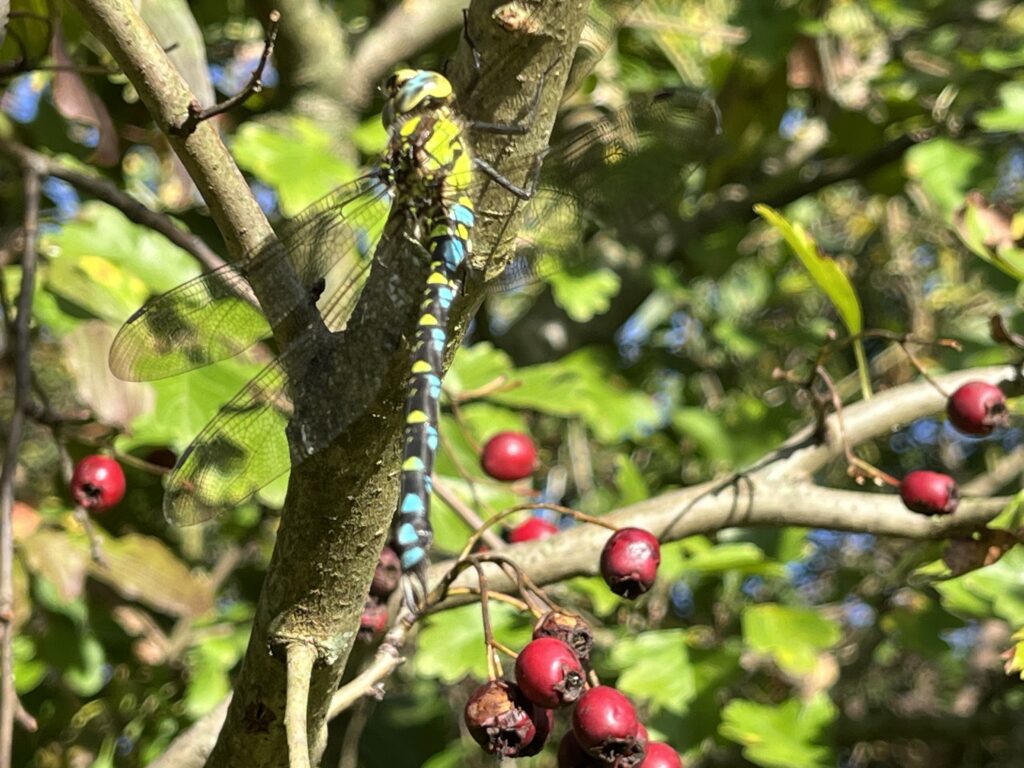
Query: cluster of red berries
(97,483)
(515,719)
(976,409)
(386,578)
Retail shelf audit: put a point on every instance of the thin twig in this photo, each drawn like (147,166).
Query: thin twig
(469,517)
(103,190)
(22,393)
(386,661)
(300,660)
(197,114)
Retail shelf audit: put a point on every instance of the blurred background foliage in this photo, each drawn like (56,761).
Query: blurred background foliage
(868,122)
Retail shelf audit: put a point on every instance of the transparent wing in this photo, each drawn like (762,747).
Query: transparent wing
(583,182)
(609,173)
(209,318)
(245,446)
(242,449)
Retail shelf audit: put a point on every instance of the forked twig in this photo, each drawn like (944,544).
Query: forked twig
(197,114)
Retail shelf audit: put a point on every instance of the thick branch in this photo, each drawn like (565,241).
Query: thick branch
(800,455)
(341,501)
(167,97)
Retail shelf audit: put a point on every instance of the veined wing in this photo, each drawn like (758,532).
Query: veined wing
(206,319)
(613,172)
(243,448)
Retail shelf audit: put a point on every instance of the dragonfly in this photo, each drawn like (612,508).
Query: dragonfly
(429,173)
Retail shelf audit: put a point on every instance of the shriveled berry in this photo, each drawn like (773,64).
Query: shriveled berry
(572,755)
(531,530)
(548,673)
(661,755)
(629,561)
(374,619)
(607,728)
(509,456)
(97,483)
(387,574)
(570,629)
(977,408)
(543,721)
(500,719)
(929,493)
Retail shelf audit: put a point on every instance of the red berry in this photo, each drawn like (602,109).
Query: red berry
(977,408)
(929,493)
(661,755)
(571,754)
(374,620)
(629,561)
(387,574)
(509,456)
(500,719)
(543,721)
(548,673)
(606,726)
(532,530)
(570,629)
(97,483)
(641,732)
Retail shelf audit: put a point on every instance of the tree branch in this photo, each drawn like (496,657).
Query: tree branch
(22,393)
(409,27)
(104,190)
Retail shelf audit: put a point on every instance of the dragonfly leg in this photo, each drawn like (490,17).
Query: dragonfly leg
(522,192)
(477,58)
(521,127)
(415,589)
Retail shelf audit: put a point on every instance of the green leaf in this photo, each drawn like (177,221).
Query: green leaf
(630,481)
(210,661)
(946,170)
(193,398)
(29,670)
(1009,115)
(742,557)
(477,366)
(295,157)
(995,590)
(655,666)
(1015,664)
(793,637)
(451,646)
(829,277)
(789,735)
(110,244)
(991,233)
(583,385)
(585,295)
(86,674)
(920,625)
(603,602)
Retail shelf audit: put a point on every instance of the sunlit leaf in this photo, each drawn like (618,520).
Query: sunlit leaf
(789,735)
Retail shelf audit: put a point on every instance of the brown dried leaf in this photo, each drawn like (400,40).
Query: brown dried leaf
(142,568)
(60,558)
(114,402)
(77,104)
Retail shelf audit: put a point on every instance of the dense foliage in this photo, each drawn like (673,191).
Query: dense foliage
(884,134)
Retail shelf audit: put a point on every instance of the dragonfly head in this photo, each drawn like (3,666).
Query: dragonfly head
(410,89)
